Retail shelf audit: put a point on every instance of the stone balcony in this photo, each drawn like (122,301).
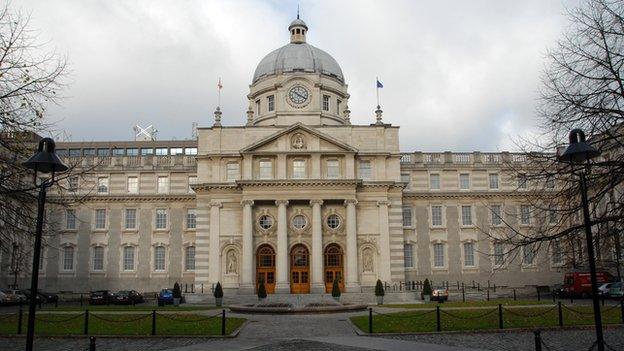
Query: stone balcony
(461,158)
(150,162)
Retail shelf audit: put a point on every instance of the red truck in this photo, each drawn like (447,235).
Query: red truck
(579,283)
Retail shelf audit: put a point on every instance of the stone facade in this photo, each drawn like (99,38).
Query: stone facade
(296,197)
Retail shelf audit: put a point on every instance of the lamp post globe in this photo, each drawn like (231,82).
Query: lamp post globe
(580,152)
(44,160)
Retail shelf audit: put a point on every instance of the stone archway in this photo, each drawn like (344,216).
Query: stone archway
(299,270)
(265,268)
(334,267)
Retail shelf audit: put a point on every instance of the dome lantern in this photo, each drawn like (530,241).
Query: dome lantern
(298,29)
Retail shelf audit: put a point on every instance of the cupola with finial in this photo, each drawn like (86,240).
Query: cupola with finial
(298,29)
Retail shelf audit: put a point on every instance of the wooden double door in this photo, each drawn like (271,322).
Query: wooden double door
(265,268)
(334,267)
(299,270)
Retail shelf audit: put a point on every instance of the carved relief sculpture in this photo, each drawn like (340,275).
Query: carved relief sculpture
(232,263)
(367,260)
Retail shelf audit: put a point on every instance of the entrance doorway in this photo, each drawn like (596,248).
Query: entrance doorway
(265,268)
(334,267)
(299,270)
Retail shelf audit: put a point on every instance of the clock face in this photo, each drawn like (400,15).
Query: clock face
(298,95)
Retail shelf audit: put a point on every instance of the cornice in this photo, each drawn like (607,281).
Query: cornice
(302,182)
(133,198)
(470,194)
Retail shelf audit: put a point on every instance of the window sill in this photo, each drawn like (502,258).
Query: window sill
(102,272)
(437,227)
(190,230)
(161,231)
(70,231)
(130,231)
(104,230)
(470,226)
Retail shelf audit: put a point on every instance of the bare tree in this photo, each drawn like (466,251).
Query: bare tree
(582,87)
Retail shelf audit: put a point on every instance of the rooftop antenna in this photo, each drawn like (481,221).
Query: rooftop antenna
(144,134)
(297,11)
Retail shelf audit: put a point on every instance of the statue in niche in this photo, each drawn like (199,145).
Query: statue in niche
(298,142)
(367,260)
(231,263)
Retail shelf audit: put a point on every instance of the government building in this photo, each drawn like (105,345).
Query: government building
(295,197)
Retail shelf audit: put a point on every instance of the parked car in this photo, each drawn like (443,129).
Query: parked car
(100,297)
(617,290)
(603,289)
(440,294)
(558,291)
(38,298)
(578,284)
(19,296)
(48,297)
(165,297)
(6,298)
(128,297)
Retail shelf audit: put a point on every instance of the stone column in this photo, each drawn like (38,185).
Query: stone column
(283,283)
(384,241)
(214,252)
(318,285)
(352,283)
(247,281)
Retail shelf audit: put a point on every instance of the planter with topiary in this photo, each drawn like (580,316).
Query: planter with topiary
(177,294)
(336,289)
(218,294)
(262,294)
(426,292)
(379,292)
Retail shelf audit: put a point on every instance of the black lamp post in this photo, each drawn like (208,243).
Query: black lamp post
(44,161)
(579,152)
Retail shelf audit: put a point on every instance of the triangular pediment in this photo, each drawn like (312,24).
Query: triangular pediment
(298,137)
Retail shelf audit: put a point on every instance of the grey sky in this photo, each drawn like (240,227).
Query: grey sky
(457,75)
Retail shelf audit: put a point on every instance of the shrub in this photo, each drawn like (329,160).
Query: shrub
(336,287)
(218,292)
(177,293)
(262,290)
(427,288)
(379,289)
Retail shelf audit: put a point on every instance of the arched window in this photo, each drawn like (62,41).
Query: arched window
(159,258)
(266,256)
(333,256)
(299,256)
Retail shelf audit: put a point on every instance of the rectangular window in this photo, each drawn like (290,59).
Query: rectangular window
(190,151)
(88,152)
(74,153)
(191,180)
(162,151)
(103,152)
(131,217)
(128,258)
(176,151)
(133,185)
(70,219)
(366,171)
(499,254)
(257,107)
(436,216)
(466,215)
(102,185)
(326,102)
(522,181)
(119,152)
(98,258)
(231,170)
(528,256)
(163,185)
(496,215)
(189,258)
(271,102)
(147,151)
(159,258)
(407,256)
(100,218)
(266,170)
(299,169)
(434,181)
(438,255)
(464,181)
(557,255)
(407,216)
(72,184)
(191,218)
(469,256)
(525,214)
(493,177)
(161,218)
(132,152)
(68,258)
(333,169)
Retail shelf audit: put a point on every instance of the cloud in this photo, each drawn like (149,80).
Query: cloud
(458,75)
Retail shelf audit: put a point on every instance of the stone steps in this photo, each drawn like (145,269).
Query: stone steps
(302,299)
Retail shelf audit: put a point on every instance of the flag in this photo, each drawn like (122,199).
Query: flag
(219,85)
(379,85)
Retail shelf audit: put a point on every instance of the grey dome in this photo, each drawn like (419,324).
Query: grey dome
(298,22)
(298,57)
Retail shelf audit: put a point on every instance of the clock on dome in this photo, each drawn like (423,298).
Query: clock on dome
(298,95)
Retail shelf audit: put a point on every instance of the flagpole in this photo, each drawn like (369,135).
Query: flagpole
(219,95)
(377,87)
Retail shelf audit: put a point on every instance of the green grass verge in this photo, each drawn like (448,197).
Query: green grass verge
(123,308)
(485,318)
(120,324)
(492,302)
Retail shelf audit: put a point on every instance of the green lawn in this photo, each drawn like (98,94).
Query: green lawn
(483,318)
(121,324)
(123,308)
(492,302)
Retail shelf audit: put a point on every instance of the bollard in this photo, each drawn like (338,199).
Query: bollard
(153,322)
(463,293)
(438,326)
(19,320)
(458,285)
(192,288)
(202,288)
(500,316)
(222,322)
(514,290)
(86,322)
(538,295)
(478,286)
(186,288)
(92,343)
(560,314)
(538,340)
(370,320)
(488,294)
